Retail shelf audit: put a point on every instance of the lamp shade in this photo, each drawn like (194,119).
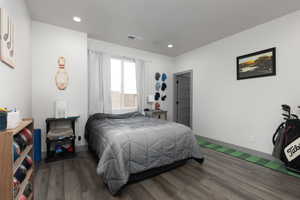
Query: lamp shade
(150,98)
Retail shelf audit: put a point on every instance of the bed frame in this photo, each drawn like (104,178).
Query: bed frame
(151,172)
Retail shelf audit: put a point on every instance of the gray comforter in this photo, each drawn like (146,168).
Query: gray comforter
(131,143)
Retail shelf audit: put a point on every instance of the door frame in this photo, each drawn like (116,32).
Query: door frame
(175,95)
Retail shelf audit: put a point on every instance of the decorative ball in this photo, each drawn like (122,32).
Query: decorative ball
(157,86)
(17,151)
(21,173)
(157,76)
(27,163)
(27,133)
(157,96)
(164,87)
(28,190)
(164,77)
(21,140)
(23,197)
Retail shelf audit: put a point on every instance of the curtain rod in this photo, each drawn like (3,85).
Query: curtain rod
(119,56)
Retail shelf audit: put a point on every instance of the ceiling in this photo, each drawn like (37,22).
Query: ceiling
(187,24)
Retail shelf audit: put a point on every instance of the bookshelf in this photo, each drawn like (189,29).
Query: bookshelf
(8,166)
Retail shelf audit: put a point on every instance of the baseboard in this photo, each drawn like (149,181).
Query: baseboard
(240,148)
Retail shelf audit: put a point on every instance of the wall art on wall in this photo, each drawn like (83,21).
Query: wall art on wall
(258,64)
(61,77)
(7,49)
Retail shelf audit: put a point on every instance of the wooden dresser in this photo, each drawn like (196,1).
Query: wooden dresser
(8,166)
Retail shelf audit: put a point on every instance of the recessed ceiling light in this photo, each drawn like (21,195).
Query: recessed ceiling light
(170,45)
(77,19)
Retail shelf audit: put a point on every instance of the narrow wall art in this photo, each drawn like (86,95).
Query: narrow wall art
(7,44)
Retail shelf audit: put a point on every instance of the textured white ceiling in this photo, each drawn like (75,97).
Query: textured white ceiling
(188,24)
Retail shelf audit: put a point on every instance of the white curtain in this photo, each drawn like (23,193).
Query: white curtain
(99,82)
(140,85)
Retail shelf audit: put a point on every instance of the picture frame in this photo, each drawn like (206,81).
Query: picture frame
(257,64)
(7,42)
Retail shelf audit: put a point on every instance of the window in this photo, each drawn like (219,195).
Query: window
(123,86)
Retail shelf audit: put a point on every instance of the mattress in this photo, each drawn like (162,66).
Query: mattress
(132,143)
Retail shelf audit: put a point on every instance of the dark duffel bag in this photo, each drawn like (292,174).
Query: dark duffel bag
(291,145)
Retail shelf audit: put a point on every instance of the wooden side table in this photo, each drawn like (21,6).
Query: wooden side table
(58,136)
(159,114)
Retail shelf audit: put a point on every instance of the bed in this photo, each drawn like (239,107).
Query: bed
(131,145)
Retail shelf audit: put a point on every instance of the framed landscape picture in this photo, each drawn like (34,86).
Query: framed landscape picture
(258,64)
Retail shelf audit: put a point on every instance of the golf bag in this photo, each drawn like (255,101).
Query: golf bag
(291,145)
(286,140)
(278,138)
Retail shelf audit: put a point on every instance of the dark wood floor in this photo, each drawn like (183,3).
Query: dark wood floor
(220,177)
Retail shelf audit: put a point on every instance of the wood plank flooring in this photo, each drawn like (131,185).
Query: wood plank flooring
(220,177)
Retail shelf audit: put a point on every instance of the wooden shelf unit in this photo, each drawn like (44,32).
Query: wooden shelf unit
(19,161)
(23,185)
(8,166)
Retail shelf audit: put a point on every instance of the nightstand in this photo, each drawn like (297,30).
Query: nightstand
(60,138)
(159,114)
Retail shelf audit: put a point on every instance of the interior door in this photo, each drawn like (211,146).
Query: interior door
(183,99)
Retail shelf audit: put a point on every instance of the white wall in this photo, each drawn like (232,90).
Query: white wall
(154,63)
(245,112)
(48,44)
(15,84)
